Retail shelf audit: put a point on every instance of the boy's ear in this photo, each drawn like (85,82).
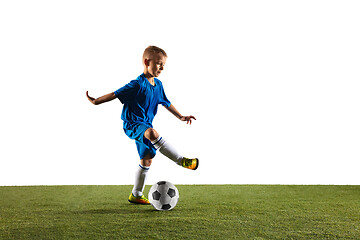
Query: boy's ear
(147,62)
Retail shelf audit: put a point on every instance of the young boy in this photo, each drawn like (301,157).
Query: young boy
(141,98)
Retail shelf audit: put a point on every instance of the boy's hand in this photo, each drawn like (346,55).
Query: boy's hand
(91,99)
(176,113)
(187,119)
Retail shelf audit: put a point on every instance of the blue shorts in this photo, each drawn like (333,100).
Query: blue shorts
(136,131)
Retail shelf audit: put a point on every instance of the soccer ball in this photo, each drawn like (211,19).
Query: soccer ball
(163,195)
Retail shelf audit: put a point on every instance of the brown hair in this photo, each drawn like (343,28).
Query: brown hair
(150,50)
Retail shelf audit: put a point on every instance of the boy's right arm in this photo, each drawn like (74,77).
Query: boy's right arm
(100,100)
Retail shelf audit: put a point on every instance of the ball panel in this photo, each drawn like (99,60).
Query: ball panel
(152,189)
(156,204)
(164,199)
(171,192)
(170,185)
(162,188)
(166,207)
(174,201)
(156,195)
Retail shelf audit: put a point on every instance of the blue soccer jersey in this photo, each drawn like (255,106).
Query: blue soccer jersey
(141,100)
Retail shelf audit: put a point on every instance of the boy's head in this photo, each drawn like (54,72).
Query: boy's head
(154,59)
(150,51)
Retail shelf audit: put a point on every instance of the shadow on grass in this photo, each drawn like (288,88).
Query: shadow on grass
(135,209)
(116,211)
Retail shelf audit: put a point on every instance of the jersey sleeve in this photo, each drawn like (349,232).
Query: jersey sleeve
(163,99)
(128,92)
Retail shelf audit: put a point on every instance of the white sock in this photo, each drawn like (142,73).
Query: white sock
(169,151)
(140,177)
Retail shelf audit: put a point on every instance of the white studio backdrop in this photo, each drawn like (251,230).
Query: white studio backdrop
(274,86)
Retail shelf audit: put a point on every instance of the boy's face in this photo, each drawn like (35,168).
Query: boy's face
(155,64)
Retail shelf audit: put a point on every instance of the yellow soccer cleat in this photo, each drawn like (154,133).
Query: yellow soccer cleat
(138,200)
(192,163)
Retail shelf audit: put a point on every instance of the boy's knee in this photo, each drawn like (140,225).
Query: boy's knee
(146,162)
(151,134)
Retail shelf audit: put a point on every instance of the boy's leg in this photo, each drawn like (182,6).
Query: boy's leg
(168,150)
(137,195)
(163,146)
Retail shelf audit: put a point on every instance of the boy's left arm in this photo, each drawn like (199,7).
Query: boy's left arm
(176,113)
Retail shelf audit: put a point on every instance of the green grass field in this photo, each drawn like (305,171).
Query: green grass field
(203,212)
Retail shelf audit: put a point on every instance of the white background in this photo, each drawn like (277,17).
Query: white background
(274,86)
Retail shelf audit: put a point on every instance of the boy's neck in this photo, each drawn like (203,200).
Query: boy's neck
(150,78)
